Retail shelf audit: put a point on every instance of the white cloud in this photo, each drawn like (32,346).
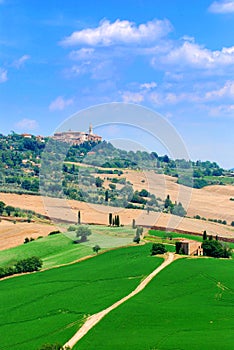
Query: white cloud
(225,6)
(227,91)
(20,62)
(170,98)
(82,54)
(221,110)
(3,75)
(194,55)
(148,86)
(27,124)
(119,32)
(132,97)
(60,104)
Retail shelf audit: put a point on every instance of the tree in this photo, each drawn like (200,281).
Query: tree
(179,248)
(28,265)
(139,230)
(117,221)
(106,196)
(96,248)
(168,202)
(204,236)
(216,249)
(110,219)
(158,248)
(137,239)
(99,182)
(178,209)
(2,206)
(9,209)
(133,223)
(79,217)
(143,193)
(82,232)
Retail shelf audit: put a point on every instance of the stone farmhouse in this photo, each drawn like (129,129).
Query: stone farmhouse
(189,247)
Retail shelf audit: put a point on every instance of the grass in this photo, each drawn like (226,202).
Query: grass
(161,237)
(225,180)
(108,237)
(53,250)
(59,249)
(188,306)
(50,306)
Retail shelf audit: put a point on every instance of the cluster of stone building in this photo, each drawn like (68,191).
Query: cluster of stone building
(71,137)
(77,137)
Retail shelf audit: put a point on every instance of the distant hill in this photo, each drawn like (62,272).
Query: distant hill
(21,163)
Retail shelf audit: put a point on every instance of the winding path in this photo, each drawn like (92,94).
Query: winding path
(94,319)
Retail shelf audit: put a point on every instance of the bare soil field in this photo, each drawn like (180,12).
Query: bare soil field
(12,234)
(211,202)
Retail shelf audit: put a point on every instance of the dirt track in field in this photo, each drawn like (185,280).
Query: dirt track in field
(96,318)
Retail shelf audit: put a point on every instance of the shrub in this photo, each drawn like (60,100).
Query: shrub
(96,248)
(56,232)
(28,265)
(158,248)
(72,228)
(83,232)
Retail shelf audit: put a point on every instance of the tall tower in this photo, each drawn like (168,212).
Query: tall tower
(90,129)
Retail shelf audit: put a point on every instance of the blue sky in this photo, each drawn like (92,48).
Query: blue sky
(173,56)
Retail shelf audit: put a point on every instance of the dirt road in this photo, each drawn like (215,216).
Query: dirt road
(94,319)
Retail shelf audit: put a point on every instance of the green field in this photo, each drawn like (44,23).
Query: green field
(50,306)
(161,234)
(188,306)
(53,250)
(223,180)
(59,249)
(161,237)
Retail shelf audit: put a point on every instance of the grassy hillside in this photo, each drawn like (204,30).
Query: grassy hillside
(60,249)
(188,306)
(50,306)
(53,250)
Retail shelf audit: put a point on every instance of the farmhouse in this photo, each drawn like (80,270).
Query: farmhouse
(189,247)
(76,137)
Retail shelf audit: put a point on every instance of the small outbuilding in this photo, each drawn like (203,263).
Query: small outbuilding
(189,247)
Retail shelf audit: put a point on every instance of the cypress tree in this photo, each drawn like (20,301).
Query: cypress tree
(204,236)
(106,196)
(110,219)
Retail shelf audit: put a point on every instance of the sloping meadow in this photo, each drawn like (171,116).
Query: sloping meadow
(50,306)
(188,306)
